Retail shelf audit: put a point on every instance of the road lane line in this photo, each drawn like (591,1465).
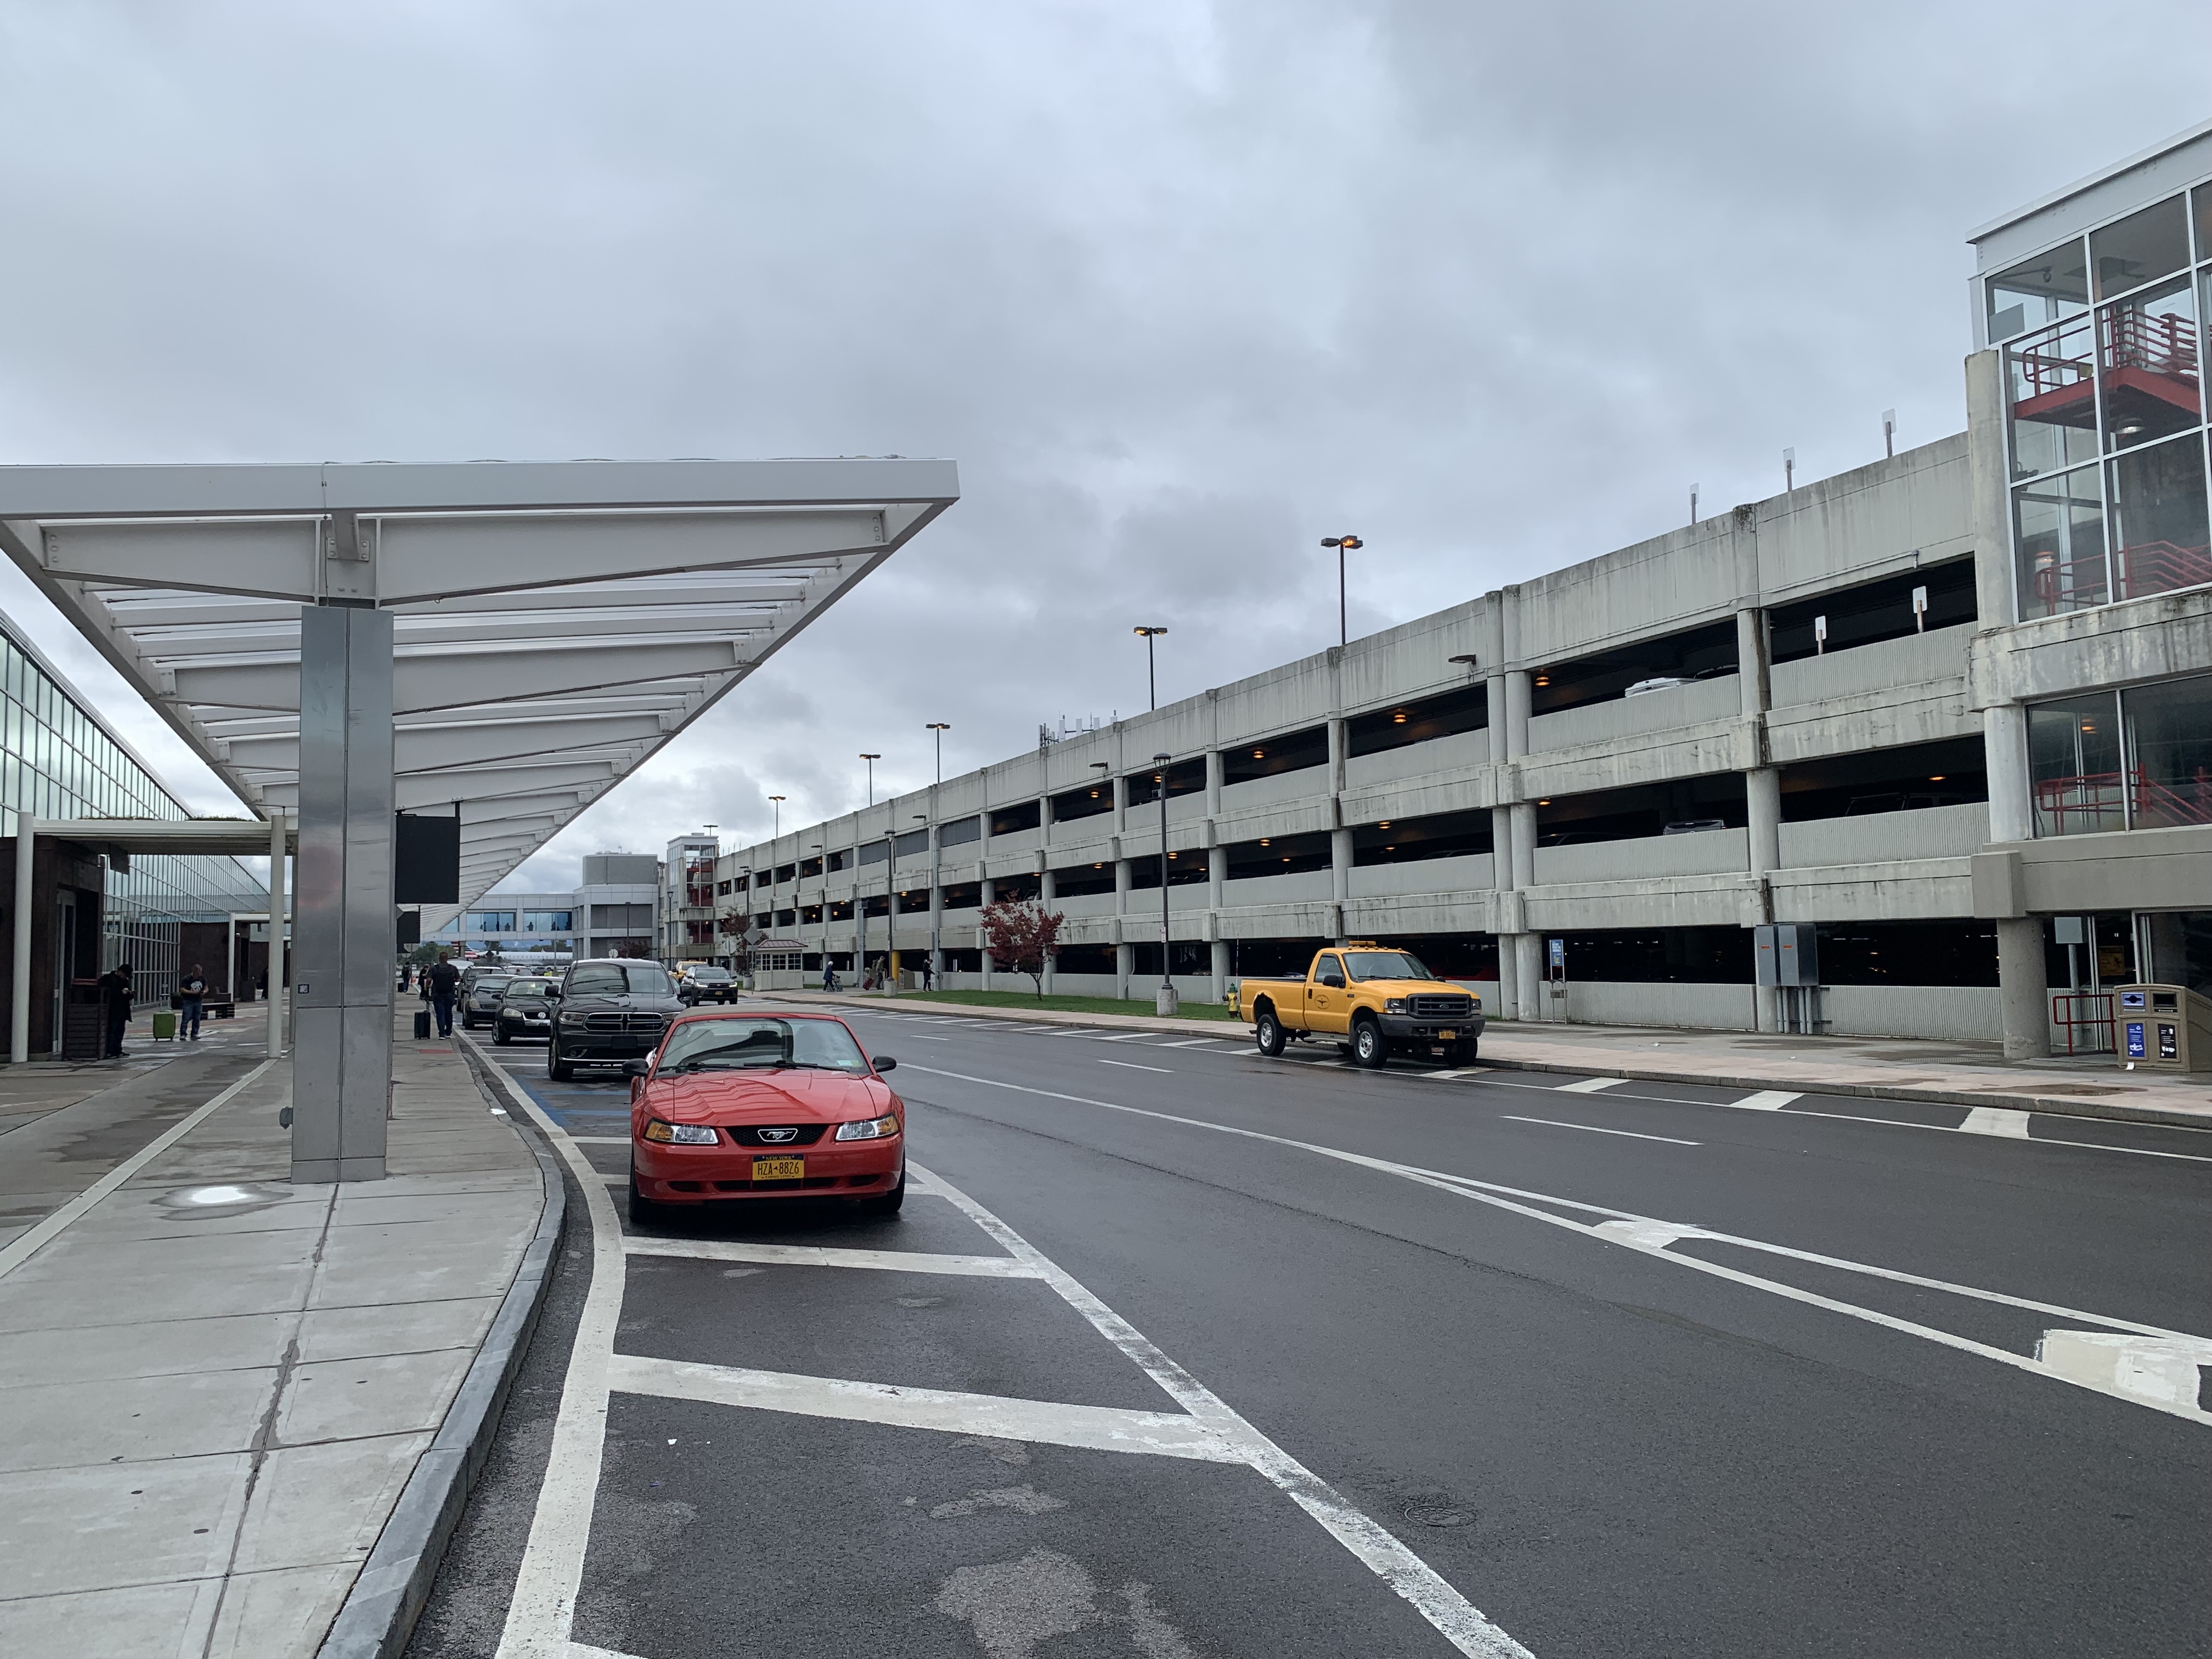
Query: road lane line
(1459,1620)
(1119,1037)
(1190,1043)
(1593,1129)
(1766,1100)
(600,1140)
(1588,1085)
(1090,1428)
(36,1238)
(1485,1191)
(1132,1066)
(543,1607)
(824,1255)
(2004,1121)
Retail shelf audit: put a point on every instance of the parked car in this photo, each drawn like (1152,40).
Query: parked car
(754,1107)
(1373,999)
(608,1012)
(525,1010)
(480,994)
(703,984)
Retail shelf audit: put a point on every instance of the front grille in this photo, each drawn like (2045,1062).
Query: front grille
(808,1135)
(621,1022)
(809,1183)
(1443,1007)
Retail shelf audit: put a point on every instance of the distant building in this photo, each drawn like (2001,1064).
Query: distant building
(687,902)
(613,913)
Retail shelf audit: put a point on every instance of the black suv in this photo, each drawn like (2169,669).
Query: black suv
(607,1012)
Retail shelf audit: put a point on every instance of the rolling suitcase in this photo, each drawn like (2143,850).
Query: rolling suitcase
(422,1024)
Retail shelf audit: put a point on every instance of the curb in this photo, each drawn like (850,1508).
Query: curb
(2047,1105)
(379,1614)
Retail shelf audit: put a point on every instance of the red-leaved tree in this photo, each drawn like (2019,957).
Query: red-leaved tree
(1020,935)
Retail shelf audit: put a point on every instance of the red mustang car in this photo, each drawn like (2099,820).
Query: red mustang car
(750,1105)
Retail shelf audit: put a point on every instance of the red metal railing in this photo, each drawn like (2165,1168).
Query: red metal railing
(2086,1018)
(2092,797)
(2159,343)
(2143,568)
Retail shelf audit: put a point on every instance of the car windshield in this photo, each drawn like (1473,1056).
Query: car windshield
(527,990)
(613,979)
(734,1045)
(1385,964)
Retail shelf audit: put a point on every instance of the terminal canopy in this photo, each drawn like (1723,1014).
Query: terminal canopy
(554,624)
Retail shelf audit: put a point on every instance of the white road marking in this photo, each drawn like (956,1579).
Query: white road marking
(1132,1066)
(2159,1372)
(36,1238)
(600,1140)
(584,1650)
(923,1037)
(1122,1037)
(1997,1121)
(1446,1077)
(810,1255)
(543,1607)
(1485,1191)
(1593,1128)
(1588,1085)
(1191,1043)
(1093,1428)
(1459,1620)
(1766,1100)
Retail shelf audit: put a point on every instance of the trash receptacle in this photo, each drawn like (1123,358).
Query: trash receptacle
(2162,1028)
(164,1026)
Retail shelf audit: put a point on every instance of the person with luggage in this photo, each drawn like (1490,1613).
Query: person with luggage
(192,999)
(445,982)
(115,1001)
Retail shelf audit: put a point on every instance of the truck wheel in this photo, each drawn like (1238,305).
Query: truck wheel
(1368,1047)
(1462,1053)
(1269,1031)
(555,1067)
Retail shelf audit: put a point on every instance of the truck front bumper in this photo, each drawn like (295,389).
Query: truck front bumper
(1420,1030)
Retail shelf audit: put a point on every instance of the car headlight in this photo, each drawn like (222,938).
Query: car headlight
(574,1020)
(681,1134)
(1475,1003)
(1393,1005)
(876,1129)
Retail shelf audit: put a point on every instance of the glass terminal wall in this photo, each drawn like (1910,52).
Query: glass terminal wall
(2103,343)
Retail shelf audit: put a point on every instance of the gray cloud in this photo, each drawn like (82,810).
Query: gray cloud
(1183,287)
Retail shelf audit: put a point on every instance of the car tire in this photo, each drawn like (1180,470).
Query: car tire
(499,1036)
(1369,1047)
(642,1210)
(1268,1031)
(555,1067)
(1463,1054)
(889,1203)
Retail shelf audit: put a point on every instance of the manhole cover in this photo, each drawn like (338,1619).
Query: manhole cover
(1439,1511)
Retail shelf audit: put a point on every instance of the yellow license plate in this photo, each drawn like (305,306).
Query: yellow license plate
(1448,1036)
(779,1169)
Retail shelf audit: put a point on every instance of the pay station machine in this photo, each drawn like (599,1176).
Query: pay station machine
(2166,1028)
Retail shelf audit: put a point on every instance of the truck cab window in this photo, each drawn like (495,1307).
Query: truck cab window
(1329,972)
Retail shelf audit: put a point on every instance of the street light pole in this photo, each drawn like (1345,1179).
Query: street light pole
(940,727)
(860,899)
(779,800)
(1165,1003)
(1342,544)
(1152,677)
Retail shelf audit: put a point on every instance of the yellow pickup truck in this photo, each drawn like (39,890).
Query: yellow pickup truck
(1375,1000)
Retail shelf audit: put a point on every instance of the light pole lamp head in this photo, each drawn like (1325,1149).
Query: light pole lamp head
(939,726)
(1149,633)
(1161,760)
(1348,543)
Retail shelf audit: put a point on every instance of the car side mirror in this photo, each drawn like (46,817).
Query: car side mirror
(637,1068)
(552,994)
(885,1063)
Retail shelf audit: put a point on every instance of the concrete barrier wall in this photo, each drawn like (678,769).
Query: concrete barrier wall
(1953,1011)
(1279,890)
(1932,832)
(1451,877)
(1622,717)
(1706,852)
(1263,792)
(1710,1007)
(1912,660)
(1461,751)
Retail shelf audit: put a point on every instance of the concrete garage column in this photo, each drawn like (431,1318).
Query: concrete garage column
(1763,797)
(1340,877)
(1762,784)
(1046,894)
(1125,956)
(2021,992)
(1219,952)
(986,901)
(342,969)
(1528,949)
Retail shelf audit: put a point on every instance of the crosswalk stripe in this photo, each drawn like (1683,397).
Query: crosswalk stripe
(814,1256)
(1590,1085)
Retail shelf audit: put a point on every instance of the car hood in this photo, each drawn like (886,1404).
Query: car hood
(1412,987)
(792,1097)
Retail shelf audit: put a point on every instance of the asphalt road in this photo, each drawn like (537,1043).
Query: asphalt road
(1234,1356)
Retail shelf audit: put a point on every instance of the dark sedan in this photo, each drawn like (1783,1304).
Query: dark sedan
(525,1010)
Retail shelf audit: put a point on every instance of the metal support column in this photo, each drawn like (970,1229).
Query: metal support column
(19,999)
(278,982)
(342,972)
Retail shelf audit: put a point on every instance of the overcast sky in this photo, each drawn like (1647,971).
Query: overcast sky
(1183,288)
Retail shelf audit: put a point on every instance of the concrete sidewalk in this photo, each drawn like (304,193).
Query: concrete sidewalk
(1894,1068)
(216,1387)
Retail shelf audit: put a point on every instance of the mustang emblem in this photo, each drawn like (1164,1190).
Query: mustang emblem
(777,1137)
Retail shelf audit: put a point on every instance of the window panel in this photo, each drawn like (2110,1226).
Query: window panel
(2073,760)
(2059,528)
(2160,537)
(2141,248)
(2051,394)
(2169,742)
(2045,289)
(2149,365)
(2204,221)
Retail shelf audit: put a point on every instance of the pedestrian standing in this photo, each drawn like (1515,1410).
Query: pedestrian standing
(191,998)
(115,1001)
(928,973)
(445,981)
